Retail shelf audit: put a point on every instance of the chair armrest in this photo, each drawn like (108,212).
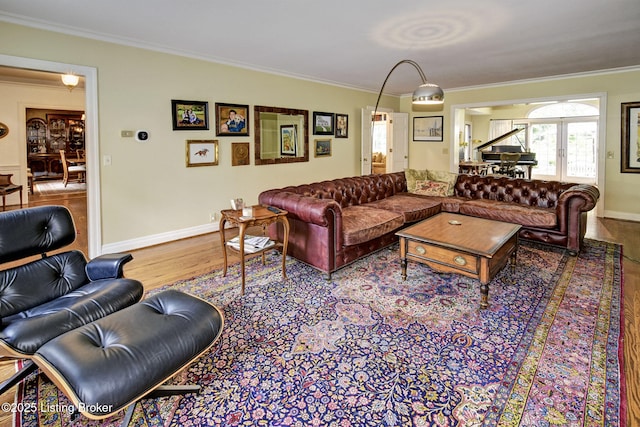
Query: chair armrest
(108,266)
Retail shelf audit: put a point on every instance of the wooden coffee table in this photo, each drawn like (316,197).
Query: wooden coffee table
(452,243)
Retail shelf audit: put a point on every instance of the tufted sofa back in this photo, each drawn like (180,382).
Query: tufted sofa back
(354,190)
(544,194)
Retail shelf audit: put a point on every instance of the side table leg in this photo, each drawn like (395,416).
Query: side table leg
(243,228)
(223,243)
(285,245)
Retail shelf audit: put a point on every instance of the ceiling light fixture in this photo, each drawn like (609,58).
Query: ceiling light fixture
(70,80)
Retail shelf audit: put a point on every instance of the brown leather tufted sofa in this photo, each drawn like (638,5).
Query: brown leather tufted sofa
(336,222)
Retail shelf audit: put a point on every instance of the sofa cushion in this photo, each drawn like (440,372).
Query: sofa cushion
(361,223)
(528,216)
(410,207)
(432,188)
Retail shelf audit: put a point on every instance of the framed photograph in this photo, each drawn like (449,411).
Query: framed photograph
(288,140)
(342,125)
(630,132)
(232,119)
(240,154)
(322,123)
(202,152)
(428,128)
(190,115)
(322,147)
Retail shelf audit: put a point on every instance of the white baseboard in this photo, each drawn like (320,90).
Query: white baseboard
(156,239)
(622,215)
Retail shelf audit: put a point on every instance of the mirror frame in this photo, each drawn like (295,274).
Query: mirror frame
(257,109)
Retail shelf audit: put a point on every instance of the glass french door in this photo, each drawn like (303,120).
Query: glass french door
(566,149)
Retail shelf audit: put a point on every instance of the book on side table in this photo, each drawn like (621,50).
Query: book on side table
(252,244)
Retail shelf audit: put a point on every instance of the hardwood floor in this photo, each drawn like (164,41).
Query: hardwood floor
(163,264)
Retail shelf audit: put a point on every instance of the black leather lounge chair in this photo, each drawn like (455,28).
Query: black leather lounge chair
(48,296)
(81,324)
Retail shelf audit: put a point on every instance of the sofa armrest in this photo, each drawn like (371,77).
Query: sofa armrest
(308,209)
(587,193)
(108,266)
(573,202)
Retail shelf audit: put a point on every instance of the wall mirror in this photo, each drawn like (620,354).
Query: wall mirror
(281,135)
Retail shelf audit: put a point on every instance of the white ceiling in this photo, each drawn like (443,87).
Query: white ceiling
(458,43)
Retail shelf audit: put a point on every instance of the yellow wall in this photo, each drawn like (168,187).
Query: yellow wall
(621,197)
(148,190)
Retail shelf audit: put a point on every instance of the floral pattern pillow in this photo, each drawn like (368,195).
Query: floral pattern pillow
(413,175)
(444,176)
(432,188)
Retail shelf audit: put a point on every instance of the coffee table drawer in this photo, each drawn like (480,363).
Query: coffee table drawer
(448,257)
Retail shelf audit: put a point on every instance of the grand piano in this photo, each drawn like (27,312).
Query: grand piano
(493,156)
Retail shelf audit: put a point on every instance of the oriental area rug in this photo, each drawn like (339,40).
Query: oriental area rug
(369,349)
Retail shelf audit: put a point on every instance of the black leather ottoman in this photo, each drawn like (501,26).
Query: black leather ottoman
(115,361)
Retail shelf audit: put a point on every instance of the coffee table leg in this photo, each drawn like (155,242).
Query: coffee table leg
(403,257)
(513,261)
(484,295)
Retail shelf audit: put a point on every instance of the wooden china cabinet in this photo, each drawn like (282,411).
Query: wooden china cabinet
(48,132)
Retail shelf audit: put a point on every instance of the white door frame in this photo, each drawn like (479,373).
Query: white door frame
(366,141)
(602,131)
(94,220)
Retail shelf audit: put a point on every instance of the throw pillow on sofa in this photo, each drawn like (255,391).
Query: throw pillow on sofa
(432,188)
(444,176)
(414,175)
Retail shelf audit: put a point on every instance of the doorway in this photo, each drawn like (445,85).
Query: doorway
(385,141)
(90,74)
(461,113)
(566,149)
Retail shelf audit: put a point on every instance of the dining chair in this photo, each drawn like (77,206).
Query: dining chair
(7,187)
(68,169)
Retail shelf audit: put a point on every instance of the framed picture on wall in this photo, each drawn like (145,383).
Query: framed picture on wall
(232,119)
(428,128)
(190,115)
(322,147)
(630,136)
(202,152)
(240,154)
(288,140)
(322,123)
(342,125)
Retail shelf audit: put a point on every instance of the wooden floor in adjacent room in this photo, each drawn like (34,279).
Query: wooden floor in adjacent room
(163,264)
